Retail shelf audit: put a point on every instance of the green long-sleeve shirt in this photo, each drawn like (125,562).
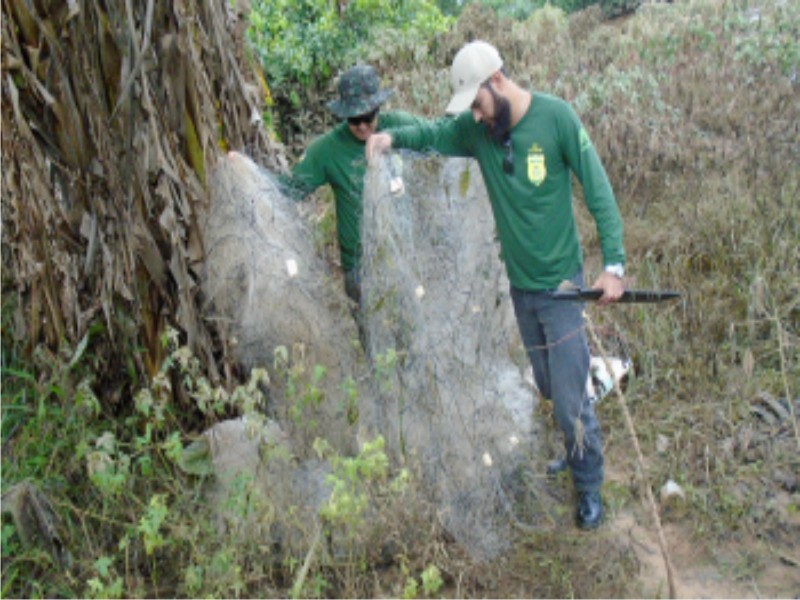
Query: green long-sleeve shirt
(533,207)
(338,158)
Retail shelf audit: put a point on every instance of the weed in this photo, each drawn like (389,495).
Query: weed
(431,580)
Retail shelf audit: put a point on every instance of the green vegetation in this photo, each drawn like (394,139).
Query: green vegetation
(306,42)
(303,44)
(520,10)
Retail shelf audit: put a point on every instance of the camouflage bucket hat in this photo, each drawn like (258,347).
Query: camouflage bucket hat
(359,93)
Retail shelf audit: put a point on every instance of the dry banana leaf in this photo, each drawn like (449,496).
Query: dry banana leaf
(112,115)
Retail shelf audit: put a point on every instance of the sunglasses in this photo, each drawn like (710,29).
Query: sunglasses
(359,119)
(508,159)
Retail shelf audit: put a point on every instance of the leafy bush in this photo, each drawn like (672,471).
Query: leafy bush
(522,9)
(303,44)
(618,8)
(115,506)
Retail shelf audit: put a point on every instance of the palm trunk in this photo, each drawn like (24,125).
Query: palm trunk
(112,114)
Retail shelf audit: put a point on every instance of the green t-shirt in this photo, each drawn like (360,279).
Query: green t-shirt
(533,207)
(338,158)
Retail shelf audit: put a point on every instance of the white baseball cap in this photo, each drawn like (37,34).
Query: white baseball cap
(473,65)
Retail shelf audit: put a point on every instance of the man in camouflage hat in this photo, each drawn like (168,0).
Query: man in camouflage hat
(338,159)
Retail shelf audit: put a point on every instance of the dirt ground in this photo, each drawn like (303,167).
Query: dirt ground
(758,558)
(700,571)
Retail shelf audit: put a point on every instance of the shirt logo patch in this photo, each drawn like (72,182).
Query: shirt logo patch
(537,169)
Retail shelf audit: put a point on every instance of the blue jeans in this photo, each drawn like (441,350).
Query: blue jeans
(555,340)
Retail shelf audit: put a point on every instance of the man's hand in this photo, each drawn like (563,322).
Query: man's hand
(611,285)
(377,144)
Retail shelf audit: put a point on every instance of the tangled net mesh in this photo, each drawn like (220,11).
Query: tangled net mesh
(267,289)
(435,297)
(445,390)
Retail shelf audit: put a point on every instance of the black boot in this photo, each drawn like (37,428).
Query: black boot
(590,510)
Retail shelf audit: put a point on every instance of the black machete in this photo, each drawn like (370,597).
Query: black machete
(628,296)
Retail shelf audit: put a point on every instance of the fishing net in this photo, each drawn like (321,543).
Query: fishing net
(277,301)
(446,389)
(440,330)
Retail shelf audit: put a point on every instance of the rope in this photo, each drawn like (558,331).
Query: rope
(569,336)
(640,462)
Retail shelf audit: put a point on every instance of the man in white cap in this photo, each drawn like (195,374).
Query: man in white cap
(527,145)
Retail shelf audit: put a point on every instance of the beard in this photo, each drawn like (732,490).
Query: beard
(500,127)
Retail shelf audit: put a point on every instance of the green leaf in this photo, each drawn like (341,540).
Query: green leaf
(431,580)
(196,458)
(102,564)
